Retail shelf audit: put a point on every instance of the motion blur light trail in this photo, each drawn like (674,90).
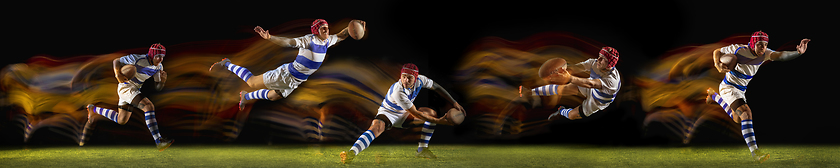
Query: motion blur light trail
(333,105)
(673,93)
(494,68)
(45,97)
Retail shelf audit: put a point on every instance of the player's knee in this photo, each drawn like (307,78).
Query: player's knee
(122,119)
(746,113)
(574,115)
(274,97)
(147,105)
(377,126)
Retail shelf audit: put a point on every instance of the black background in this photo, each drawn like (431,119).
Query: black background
(437,33)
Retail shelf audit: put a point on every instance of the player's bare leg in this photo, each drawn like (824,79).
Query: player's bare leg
(119,116)
(151,121)
(745,113)
(256,82)
(377,126)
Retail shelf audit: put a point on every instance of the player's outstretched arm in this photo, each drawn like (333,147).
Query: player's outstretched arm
(425,116)
(344,33)
(790,55)
(442,92)
(282,41)
(586,82)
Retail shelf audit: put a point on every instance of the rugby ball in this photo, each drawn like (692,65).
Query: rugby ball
(128,71)
(356,29)
(455,115)
(554,66)
(729,60)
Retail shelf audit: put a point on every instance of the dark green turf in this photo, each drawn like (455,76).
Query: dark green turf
(390,155)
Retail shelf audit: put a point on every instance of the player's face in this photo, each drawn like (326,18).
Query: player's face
(157,59)
(407,80)
(760,48)
(324,32)
(602,62)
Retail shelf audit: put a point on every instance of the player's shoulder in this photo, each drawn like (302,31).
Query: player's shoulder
(136,55)
(305,38)
(422,77)
(614,74)
(732,48)
(132,58)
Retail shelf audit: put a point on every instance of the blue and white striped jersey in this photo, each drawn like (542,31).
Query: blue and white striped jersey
(399,99)
(747,66)
(610,84)
(145,69)
(311,53)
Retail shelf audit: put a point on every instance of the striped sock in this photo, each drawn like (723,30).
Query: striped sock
(259,94)
(151,122)
(363,142)
(426,135)
(108,113)
(546,90)
(242,72)
(749,134)
(722,104)
(564,112)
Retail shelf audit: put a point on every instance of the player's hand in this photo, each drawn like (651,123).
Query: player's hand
(121,78)
(722,68)
(803,45)
(163,76)
(444,120)
(263,33)
(459,107)
(361,22)
(565,75)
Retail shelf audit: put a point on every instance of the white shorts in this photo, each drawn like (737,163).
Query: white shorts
(589,105)
(127,92)
(280,79)
(396,119)
(729,93)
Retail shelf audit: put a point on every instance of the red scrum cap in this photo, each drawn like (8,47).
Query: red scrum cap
(156,49)
(610,54)
(410,69)
(758,36)
(316,25)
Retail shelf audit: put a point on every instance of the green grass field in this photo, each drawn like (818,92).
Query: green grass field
(402,155)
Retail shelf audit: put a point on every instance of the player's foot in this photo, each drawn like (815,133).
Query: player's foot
(556,115)
(88,124)
(709,93)
(347,157)
(759,156)
(242,100)
(425,153)
(524,91)
(220,63)
(164,143)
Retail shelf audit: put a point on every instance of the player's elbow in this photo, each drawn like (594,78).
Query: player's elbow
(717,52)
